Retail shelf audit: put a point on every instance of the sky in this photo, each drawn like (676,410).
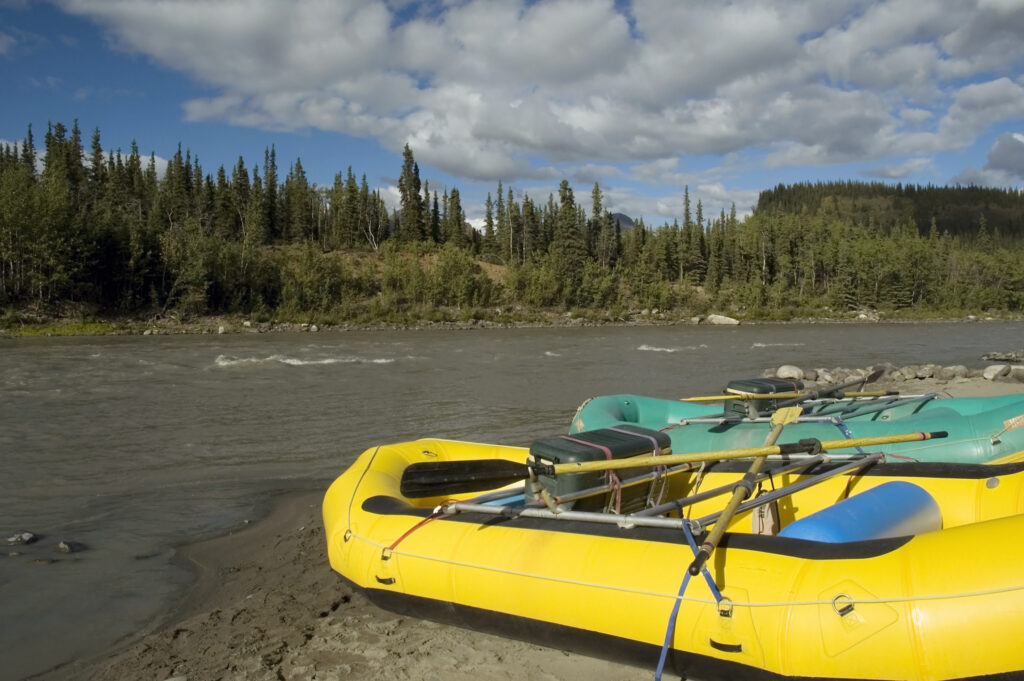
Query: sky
(645,98)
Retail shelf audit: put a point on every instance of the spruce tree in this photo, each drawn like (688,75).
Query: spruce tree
(410,218)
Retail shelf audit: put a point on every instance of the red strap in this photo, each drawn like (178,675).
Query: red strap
(432,516)
(607,452)
(654,440)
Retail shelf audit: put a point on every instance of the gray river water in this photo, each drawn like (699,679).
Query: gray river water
(133,445)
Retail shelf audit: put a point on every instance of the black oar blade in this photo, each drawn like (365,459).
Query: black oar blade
(441,478)
(833,391)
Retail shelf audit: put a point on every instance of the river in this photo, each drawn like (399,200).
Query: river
(134,445)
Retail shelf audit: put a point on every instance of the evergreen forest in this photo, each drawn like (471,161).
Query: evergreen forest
(100,233)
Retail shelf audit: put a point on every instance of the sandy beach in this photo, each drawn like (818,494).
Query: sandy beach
(266,605)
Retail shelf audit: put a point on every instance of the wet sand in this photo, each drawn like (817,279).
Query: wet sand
(266,605)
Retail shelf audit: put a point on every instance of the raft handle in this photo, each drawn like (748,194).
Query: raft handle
(726,647)
(725,607)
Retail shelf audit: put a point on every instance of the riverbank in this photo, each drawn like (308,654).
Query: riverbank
(30,324)
(265,605)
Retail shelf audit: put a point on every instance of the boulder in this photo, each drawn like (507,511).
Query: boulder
(910,371)
(70,547)
(791,372)
(926,371)
(951,372)
(21,538)
(994,371)
(1015,357)
(720,319)
(825,376)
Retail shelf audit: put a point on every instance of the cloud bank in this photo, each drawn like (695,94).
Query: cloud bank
(499,89)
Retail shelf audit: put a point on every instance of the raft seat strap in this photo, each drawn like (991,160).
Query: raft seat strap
(679,599)
(659,471)
(611,477)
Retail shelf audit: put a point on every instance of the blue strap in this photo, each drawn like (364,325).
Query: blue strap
(704,570)
(671,626)
(679,599)
(845,431)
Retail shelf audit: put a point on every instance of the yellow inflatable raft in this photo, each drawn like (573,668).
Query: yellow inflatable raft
(938,593)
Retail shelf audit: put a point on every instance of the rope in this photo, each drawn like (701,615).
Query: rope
(355,489)
(706,601)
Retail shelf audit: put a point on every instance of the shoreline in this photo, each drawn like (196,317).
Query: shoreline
(266,605)
(46,326)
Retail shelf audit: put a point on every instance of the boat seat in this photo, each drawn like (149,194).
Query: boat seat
(893,509)
(616,442)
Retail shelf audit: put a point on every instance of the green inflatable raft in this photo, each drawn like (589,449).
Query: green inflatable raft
(981,429)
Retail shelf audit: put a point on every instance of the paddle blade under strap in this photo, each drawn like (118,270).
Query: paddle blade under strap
(442,478)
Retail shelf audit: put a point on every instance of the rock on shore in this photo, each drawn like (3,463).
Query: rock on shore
(990,379)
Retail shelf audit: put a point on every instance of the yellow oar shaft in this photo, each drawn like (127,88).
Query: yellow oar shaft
(743,489)
(780,396)
(742,453)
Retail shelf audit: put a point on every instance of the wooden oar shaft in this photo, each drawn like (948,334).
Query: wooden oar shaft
(742,453)
(783,396)
(740,493)
(743,489)
(443,478)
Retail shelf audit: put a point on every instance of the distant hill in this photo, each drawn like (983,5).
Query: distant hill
(624,222)
(957,210)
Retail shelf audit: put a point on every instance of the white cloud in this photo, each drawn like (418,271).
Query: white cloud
(517,90)
(1005,166)
(1007,154)
(978,106)
(6,43)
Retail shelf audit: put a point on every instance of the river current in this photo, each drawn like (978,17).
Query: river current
(134,445)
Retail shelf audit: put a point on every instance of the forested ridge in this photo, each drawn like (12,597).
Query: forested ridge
(104,234)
